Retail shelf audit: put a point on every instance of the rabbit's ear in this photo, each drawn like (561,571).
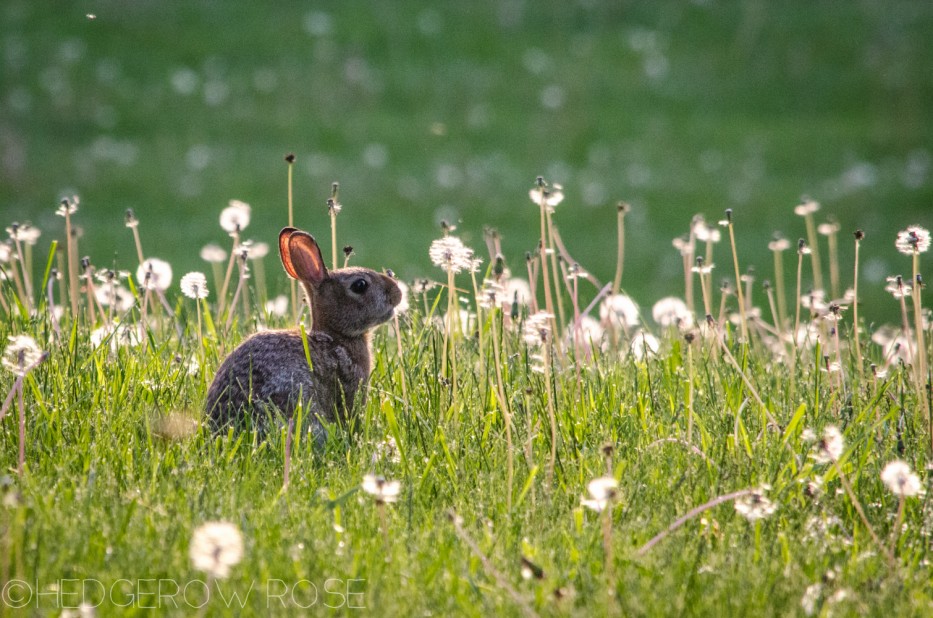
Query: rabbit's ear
(301,256)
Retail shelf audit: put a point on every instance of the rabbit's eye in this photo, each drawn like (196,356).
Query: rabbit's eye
(359,286)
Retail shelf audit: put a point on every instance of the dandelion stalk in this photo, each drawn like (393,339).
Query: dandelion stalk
(917,282)
(622,209)
(738,278)
(802,250)
(503,404)
(778,246)
(68,207)
(807,208)
(222,298)
(644,549)
(24,266)
(859,235)
(241,264)
(545,276)
(552,415)
(501,581)
(861,513)
(333,208)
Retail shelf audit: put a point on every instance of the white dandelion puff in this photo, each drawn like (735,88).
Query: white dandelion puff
(914,239)
(602,491)
(381,489)
(154,274)
(194,285)
(215,547)
(235,217)
(21,354)
(899,478)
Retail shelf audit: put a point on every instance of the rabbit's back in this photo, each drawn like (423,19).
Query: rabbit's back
(269,373)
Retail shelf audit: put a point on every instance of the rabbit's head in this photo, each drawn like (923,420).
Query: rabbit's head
(345,302)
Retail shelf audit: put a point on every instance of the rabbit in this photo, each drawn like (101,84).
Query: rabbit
(268,373)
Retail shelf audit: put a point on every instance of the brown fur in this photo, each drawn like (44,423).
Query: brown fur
(268,373)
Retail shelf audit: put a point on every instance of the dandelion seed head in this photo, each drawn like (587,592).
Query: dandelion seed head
(517,289)
(334,207)
(913,240)
(130,219)
(551,195)
(755,506)
(194,285)
(21,354)
(672,311)
(806,207)
(602,491)
(619,309)
(154,274)
(235,217)
(213,253)
(116,296)
(451,255)
(68,206)
(830,446)
(24,233)
(258,250)
(380,489)
(278,306)
(897,288)
(900,479)
(779,244)
(216,547)
(537,329)
(704,232)
(828,229)
(644,345)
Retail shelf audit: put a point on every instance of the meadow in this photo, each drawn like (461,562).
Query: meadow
(520,452)
(657,379)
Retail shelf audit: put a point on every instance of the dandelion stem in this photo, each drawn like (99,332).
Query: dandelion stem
(688,516)
(855,325)
(815,249)
(72,266)
(222,299)
(861,513)
(622,208)
(738,280)
(552,416)
(488,566)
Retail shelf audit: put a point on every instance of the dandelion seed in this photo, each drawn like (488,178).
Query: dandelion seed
(672,311)
(278,306)
(215,547)
(807,207)
(897,288)
(755,506)
(899,478)
(451,255)
(194,285)
(828,229)
(810,601)
(69,206)
(235,217)
(380,489)
(257,250)
(779,244)
(644,345)
(913,240)
(154,274)
(213,253)
(830,447)
(492,294)
(602,491)
(704,232)
(21,354)
(552,195)
(537,330)
(619,309)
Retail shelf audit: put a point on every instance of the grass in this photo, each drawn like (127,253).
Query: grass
(119,472)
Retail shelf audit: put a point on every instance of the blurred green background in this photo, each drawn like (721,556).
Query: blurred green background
(439,110)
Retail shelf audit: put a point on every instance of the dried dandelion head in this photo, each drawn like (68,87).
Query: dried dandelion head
(216,547)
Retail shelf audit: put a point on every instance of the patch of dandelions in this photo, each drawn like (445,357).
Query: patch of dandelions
(216,546)
(755,505)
